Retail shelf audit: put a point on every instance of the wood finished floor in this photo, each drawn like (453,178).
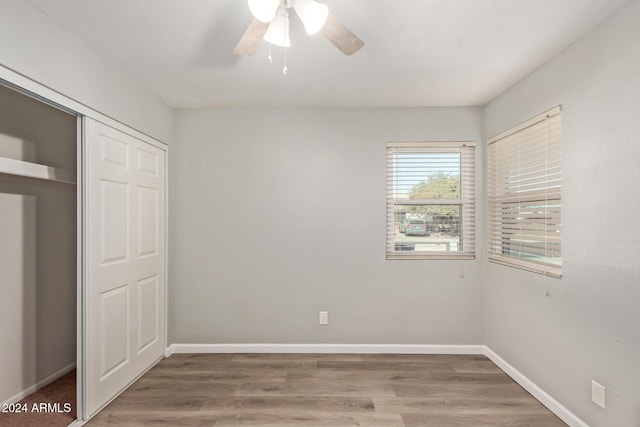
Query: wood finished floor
(325,389)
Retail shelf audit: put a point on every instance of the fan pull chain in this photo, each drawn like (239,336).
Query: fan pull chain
(285,69)
(285,31)
(269,57)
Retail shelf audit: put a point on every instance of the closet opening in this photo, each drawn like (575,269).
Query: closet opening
(38,262)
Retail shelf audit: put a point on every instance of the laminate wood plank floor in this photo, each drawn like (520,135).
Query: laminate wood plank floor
(325,389)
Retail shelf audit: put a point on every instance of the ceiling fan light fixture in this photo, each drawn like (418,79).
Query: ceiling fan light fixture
(264,10)
(312,14)
(278,32)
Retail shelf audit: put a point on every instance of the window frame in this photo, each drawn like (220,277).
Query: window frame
(543,194)
(466,201)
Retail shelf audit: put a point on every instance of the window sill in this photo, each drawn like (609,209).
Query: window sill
(450,257)
(555,272)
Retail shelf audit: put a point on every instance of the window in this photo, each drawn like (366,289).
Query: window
(430,200)
(525,186)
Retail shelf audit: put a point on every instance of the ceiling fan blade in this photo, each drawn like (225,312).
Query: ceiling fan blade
(341,36)
(251,38)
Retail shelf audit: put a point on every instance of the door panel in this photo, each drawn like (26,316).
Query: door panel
(125,260)
(114,323)
(147,221)
(114,221)
(148,312)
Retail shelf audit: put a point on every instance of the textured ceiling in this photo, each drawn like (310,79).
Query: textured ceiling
(417,52)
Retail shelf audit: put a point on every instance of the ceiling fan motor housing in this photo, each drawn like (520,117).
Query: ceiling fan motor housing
(271,23)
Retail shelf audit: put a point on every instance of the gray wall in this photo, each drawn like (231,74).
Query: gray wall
(37,246)
(590,326)
(34,45)
(280,213)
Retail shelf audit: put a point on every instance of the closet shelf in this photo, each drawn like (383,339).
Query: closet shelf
(35,170)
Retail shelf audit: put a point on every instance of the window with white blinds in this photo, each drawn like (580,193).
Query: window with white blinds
(525,195)
(430,200)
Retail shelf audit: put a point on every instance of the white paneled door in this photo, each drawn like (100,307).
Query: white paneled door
(125,232)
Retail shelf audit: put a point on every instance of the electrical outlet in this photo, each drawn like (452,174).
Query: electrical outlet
(597,394)
(324,318)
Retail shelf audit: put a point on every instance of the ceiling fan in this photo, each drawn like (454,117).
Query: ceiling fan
(271,23)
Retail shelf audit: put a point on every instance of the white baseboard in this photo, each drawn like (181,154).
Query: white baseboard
(553,405)
(325,348)
(37,386)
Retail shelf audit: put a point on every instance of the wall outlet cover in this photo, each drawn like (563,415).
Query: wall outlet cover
(324,318)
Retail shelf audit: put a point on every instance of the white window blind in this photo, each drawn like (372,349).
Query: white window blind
(430,200)
(525,195)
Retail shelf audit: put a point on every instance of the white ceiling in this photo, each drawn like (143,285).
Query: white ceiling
(417,52)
